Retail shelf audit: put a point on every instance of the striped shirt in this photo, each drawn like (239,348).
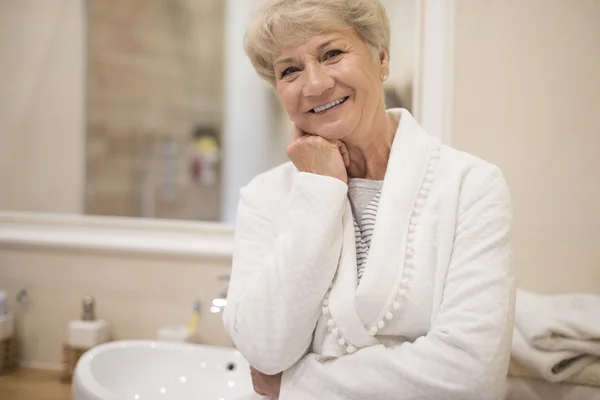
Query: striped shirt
(364,195)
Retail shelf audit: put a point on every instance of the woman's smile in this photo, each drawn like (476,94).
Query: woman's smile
(329,107)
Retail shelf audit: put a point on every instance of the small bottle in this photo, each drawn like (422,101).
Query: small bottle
(2,303)
(88,309)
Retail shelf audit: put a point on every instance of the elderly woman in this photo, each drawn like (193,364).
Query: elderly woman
(377,263)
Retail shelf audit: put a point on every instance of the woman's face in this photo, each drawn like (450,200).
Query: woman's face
(331,86)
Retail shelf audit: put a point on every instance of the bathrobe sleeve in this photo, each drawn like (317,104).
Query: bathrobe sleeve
(279,279)
(465,354)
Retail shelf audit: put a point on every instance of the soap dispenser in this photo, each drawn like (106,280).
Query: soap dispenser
(88,331)
(88,309)
(6,319)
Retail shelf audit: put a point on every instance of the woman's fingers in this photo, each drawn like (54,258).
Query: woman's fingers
(298,133)
(344,152)
(317,155)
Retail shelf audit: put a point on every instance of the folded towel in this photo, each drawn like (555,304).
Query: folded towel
(589,376)
(556,336)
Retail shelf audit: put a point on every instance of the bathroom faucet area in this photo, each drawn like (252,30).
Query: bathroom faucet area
(110,288)
(161,315)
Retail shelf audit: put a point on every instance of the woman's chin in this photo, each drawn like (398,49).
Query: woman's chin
(333,131)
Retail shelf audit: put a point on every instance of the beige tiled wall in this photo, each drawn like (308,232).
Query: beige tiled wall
(526,97)
(138,294)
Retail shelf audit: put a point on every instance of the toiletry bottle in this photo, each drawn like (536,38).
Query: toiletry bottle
(88,313)
(2,302)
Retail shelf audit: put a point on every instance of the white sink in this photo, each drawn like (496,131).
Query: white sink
(151,370)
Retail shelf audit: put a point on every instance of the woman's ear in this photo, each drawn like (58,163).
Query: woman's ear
(384,62)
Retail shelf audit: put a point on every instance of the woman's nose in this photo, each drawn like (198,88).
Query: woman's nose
(317,81)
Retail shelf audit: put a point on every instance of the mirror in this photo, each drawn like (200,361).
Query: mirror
(147,108)
(158,143)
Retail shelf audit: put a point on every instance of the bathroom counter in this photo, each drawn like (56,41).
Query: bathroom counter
(32,384)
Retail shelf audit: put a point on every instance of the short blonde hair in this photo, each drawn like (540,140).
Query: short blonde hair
(281,23)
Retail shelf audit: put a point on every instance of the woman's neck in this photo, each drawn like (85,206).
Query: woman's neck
(370,150)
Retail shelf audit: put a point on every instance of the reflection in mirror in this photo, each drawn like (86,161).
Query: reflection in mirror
(177,119)
(155,107)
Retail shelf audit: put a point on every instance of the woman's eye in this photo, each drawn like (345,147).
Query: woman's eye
(288,71)
(332,54)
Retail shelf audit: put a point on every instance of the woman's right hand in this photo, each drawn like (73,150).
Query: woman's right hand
(317,155)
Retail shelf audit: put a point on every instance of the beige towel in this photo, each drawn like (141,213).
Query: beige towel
(557,336)
(589,376)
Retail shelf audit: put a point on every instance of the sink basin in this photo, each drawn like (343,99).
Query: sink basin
(154,370)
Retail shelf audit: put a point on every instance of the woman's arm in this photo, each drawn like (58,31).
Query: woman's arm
(279,279)
(465,355)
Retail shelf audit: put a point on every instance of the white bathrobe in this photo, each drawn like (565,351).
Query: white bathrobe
(433,314)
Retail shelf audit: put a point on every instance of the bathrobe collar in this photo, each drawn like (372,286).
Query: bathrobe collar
(358,312)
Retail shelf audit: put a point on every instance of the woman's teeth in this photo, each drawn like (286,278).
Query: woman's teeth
(328,106)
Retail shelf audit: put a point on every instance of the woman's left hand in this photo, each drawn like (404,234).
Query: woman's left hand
(265,385)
